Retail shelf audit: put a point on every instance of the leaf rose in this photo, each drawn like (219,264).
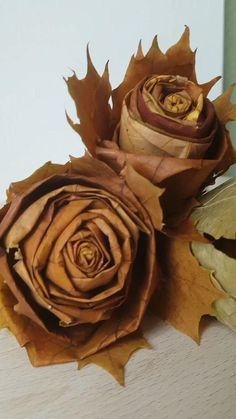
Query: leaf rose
(164,116)
(161,123)
(77,251)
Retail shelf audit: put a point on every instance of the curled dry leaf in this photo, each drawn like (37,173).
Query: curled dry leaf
(78,255)
(216,218)
(161,123)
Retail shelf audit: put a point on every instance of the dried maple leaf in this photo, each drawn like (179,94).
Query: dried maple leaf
(91,96)
(115,357)
(187,293)
(225,110)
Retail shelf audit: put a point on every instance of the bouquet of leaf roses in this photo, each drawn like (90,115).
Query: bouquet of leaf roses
(87,247)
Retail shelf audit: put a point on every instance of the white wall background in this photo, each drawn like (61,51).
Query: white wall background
(40,40)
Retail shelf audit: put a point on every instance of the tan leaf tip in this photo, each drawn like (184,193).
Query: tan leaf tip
(90,66)
(139,53)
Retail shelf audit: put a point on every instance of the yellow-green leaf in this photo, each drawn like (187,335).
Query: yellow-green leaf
(217,218)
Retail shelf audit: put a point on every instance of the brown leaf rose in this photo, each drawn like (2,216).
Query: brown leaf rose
(161,117)
(161,123)
(77,253)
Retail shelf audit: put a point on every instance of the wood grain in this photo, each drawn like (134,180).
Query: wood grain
(175,380)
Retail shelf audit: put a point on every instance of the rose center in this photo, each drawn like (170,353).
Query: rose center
(86,255)
(176,103)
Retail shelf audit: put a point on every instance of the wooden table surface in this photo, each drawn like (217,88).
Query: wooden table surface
(177,379)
